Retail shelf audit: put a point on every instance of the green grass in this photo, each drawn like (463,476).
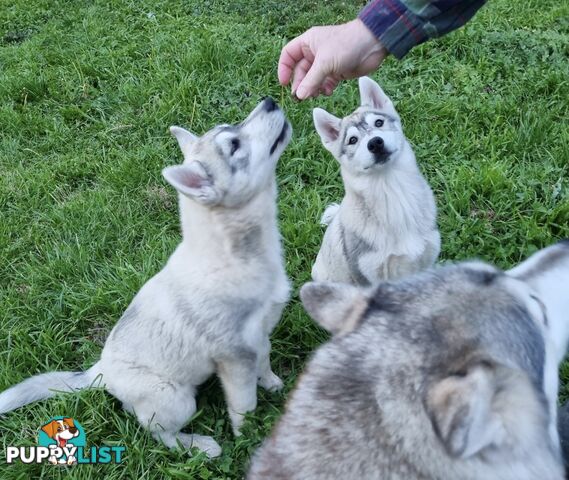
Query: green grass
(87,91)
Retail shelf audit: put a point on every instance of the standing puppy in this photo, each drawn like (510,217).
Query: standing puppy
(385,227)
(444,375)
(213,306)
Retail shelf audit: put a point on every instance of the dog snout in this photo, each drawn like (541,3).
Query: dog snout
(376,145)
(269,104)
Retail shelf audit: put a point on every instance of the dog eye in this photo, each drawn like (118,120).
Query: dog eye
(379,123)
(235,144)
(352,141)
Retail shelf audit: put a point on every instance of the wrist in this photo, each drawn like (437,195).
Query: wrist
(365,38)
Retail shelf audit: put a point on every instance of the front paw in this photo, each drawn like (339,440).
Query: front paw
(271,382)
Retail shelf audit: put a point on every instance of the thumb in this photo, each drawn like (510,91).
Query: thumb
(310,85)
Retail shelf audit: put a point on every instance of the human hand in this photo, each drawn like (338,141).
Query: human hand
(321,57)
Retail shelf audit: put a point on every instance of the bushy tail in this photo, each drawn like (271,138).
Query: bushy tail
(44,386)
(329,214)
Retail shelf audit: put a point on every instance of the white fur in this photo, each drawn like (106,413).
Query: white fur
(548,280)
(389,207)
(213,306)
(429,379)
(329,214)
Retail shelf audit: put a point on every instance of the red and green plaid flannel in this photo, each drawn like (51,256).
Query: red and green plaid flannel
(401,24)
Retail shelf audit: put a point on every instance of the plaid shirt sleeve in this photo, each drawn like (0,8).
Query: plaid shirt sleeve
(402,24)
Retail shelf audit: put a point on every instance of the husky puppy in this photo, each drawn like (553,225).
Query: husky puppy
(385,227)
(443,375)
(213,306)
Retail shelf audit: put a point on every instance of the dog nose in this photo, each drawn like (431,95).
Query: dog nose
(270,104)
(375,145)
(73,430)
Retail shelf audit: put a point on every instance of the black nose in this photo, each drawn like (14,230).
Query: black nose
(270,104)
(375,145)
(73,430)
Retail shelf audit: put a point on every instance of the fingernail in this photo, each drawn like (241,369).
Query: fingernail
(301,92)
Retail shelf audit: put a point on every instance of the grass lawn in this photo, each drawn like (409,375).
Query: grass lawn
(87,92)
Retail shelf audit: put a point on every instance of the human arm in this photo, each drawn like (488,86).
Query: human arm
(317,60)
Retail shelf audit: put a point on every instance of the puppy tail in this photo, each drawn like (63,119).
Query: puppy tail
(329,214)
(46,385)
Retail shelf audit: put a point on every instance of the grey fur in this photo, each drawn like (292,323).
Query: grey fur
(353,246)
(385,227)
(563,425)
(211,309)
(440,376)
(246,243)
(357,120)
(546,273)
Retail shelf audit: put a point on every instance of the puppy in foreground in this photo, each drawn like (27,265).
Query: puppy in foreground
(449,374)
(213,306)
(385,228)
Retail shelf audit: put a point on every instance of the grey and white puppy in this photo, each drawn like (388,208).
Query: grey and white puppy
(213,306)
(385,228)
(444,375)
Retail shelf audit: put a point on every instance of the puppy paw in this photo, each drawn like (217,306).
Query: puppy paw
(209,446)
(329,214)
(271,382)
(203,443)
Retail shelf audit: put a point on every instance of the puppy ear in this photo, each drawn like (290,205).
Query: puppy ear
(50,428)
(461,410)
(546,272)
(184,137)
(68,421)
(327,126)
(191,180)
(336,307)
(371,95)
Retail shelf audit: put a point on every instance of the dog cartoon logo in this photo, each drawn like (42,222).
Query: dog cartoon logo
(62,441)
(65,433)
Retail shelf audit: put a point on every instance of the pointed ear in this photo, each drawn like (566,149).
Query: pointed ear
(191,180)
(50,428)
(185,138)
(462,412)
(371,95)
(336,307)
(327,126)
(546,272)
(69,421)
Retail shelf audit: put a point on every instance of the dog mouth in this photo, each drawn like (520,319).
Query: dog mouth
(280,138)
(379,159)
(62,442)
